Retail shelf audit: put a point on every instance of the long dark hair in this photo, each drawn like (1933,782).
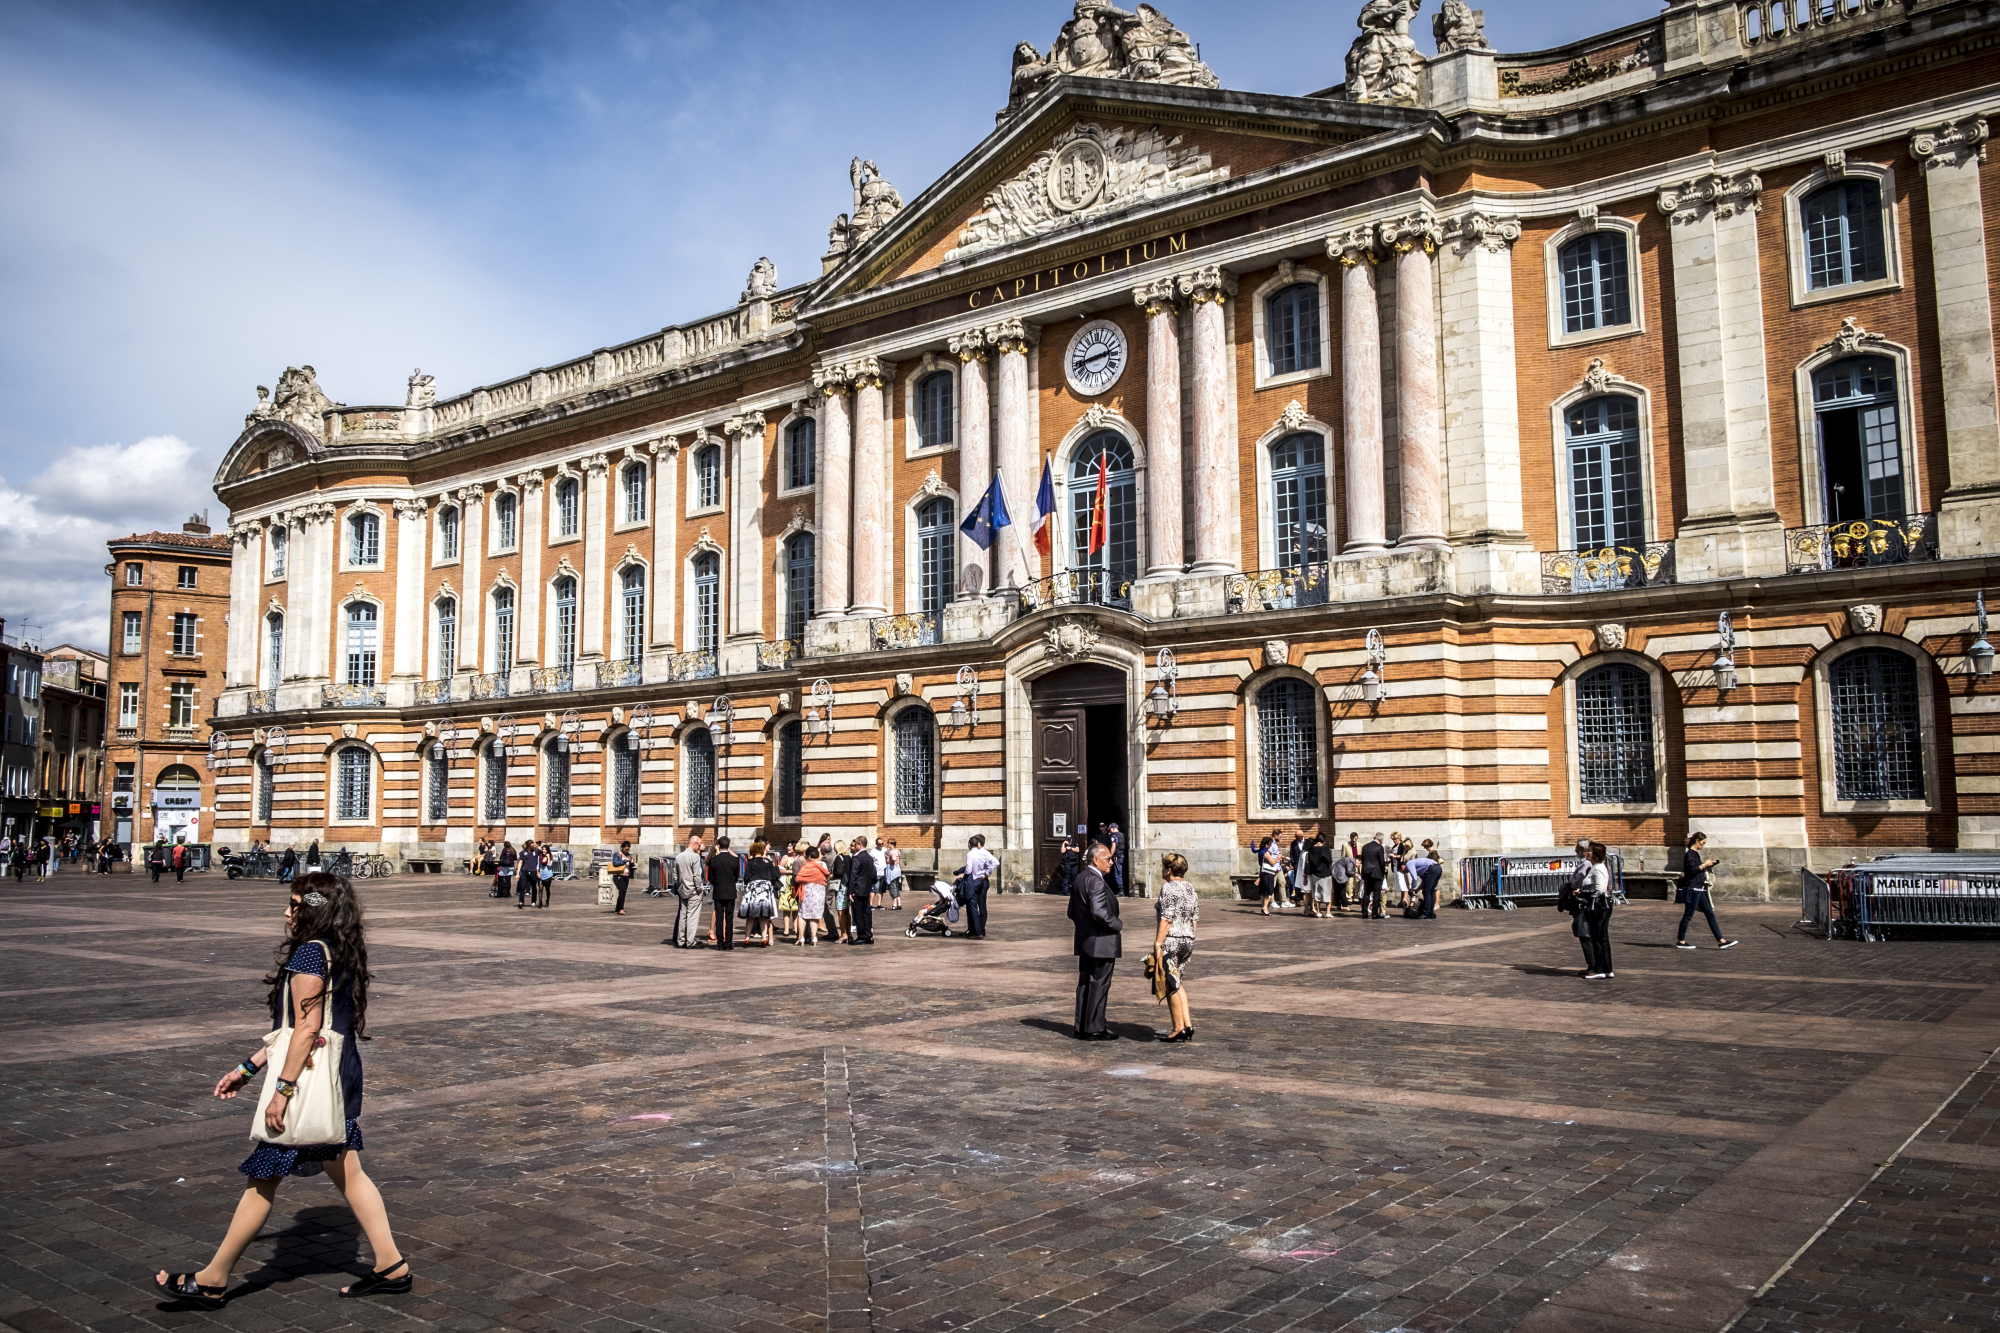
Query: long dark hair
(337,922)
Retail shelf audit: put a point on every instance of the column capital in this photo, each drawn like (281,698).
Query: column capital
(1951,144)
(412,508)
(832,378)
(750,423)
(249,530)
(529,481)
(1156,296)
(1203,285)
(1485,231)
(1353,246)
(868,373)
(1013,335)
(597,464)
(1406,233)
(469,494)
(1724,194)
(318,511)
(670,445)
(969,345)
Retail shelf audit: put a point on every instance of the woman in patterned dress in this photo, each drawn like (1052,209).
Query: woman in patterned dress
(324,919)
(1178,909)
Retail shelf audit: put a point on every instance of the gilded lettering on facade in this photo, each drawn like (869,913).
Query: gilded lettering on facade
(1111,261)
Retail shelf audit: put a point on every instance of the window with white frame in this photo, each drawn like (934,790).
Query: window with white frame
(1855,406)
(1298,500)
(1614,737)
(1104,536)
(503,629)
(625,778)
(448,532)
(1843,233)
(437,785)
(1288,745)
(791,770)
(279,543)
(128,704)
(1606,473)
(493,798)
(180,705)
(632,612)
(1877,727)
(707,601)
(186,578)
(937,548)
(1596,281)
(274,647)
(364,539)
(447,638)
(633,483)
(555,780)
(1291,328)
(135,574)
(506,521)
(934,410)
(916,761)
(363,639)
(708,477)
(353,782)
(569,507)
(801,573)
(801,458)
(565,626)
(135,635)
(698,770)
(186,634)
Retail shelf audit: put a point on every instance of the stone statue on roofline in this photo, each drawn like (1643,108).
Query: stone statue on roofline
(1384,64)
(1460,27)
(762,284)
(298,400)
(1101,41)
(422,390)
(876,202)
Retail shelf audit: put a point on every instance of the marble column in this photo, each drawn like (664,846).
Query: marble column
(1360,388)
(975,447)
(1951,155)
(1164,553)
(590,578)
(665,571)
(746,525)
(871,582)
(471,596)
(1420,458)
(531,636)
(1217,545)
(836,475)
(412,559)
(1019,561)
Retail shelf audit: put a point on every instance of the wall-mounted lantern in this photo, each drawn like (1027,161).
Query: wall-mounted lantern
(1373,688)
(1164,702)
(1725,654)
(568,726)
(642,724)
(1981,651)
(965,708)
(819,709)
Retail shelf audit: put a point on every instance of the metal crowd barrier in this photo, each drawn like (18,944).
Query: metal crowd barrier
(1931,891)
(1525,879)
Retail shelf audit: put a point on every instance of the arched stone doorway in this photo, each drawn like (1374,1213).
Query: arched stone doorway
(1079,758)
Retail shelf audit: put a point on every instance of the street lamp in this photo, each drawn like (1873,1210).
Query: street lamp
(819,709)
(1164,702)
(965,708)
(569,726)
(1373,690)
(1982,651)
(1725,654)
(721,720)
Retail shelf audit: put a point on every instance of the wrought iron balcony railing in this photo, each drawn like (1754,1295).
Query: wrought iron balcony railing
(777,656)
(1861,544)
(620,671)
(1280,589)
(492,685)
(697,665)
(353,696)
(1608,568)
(434,691)
(551,680)
(1077,587)
(918,629)
(261,701)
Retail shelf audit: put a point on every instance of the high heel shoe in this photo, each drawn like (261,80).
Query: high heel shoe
(1185,1034)
(378,1283)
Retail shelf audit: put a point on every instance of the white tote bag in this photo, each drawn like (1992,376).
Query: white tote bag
(318,1112)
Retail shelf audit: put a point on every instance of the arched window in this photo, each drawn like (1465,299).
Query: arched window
(634,479)
(1843,229)
(1104,544)
(1614,737)
(698,775)
(569,507)
(280,540)
(937,533)
(1596,286)
(1877,727)
(916,762)
(1291,328)
(934,413)
(1288,745)
(1860,443)
(267,788)
(1606,478)
(362,640)
(632,612)
(503,629)
(791,771)
(1298,500)
(494,796)
(708,476)
(555,780)
(707,601)
(800,453)
(447,638)
(437,785)
(506,521)
(565,607)
(448,533)
(801,573)
(364,539)
(274,649)
(352,783)
(625,778)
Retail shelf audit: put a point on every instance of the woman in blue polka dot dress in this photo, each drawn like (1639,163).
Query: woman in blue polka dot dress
(324,917)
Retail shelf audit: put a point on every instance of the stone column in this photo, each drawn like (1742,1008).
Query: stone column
(1019,561)
(471,558)
(1951,155)
(1217,547)
(746,526)
(1360,388)
(1732,527)
(1164,552)
(1420,457)
(665,572)
(836,476)
(246,576)
(871,582)
(530,633)
(975,452)
(412,559)
(312,582)
(590,578)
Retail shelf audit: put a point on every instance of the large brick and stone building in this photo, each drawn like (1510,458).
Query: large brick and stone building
(1595,442)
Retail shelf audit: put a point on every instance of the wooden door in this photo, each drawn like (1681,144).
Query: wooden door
(1059,784)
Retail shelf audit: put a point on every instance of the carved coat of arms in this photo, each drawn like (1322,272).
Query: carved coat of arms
(1069,639)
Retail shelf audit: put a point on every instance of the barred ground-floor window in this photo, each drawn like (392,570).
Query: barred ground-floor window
(1877,727)
(916,762)
(791,771)
(495,795)
(437,794)
(555,787)
(1614,737)
(625,778)
(698,774)
(353,783)
(1288,746)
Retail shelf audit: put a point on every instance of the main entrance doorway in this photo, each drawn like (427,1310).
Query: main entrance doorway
(1079,758)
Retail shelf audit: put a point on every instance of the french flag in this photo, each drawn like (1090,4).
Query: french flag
(1045,508)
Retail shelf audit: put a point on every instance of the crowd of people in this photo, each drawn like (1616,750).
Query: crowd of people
(45,855)
(1322,878)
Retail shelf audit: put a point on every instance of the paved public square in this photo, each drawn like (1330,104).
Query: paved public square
(1380,1126)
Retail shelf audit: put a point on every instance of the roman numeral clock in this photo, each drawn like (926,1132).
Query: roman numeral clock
(1096,357)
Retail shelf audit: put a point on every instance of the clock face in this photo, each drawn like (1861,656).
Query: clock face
(1096,357)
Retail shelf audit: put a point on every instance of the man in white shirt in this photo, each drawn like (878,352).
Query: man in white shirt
(980,867)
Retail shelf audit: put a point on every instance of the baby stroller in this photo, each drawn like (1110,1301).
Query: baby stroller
(939,917)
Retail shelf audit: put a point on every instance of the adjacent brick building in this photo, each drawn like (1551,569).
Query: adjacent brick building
(70,766)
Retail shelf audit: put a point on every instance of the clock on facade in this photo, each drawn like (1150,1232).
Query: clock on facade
(1096,357)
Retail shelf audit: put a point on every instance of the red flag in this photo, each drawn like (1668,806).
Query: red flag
(1100,517)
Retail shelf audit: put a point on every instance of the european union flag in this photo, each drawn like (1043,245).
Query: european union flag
(987,517)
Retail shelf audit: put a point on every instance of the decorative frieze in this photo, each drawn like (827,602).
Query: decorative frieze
(1484,231)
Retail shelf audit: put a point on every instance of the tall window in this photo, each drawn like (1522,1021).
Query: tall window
(135,637)
(634,479)
(506,521)
(791,771)
(1860,445)
(184,634)
(494,798)
(1298,500)
(437,785)
(801,573)
(1596,287)
(1116,563)
(1843,229)
(916,762)
(267,788)
(934,409)
(1291,328)
(1877,728)
(937,533)
(1288,745)
(565,653)
(447,638)
(625,778)
(274,648)
(135,574)
(707,601)
(555,769)
(128,704)
(708,476)
(632,612)
(503,629)
(364,539)
(800,445)
(569,507)
(698,774)
(1607,500)
(180,705)
(280,540)
(351,791)
(448,533)
(1614,737)
(361,643)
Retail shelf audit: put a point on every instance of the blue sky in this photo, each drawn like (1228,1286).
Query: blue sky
(195,195)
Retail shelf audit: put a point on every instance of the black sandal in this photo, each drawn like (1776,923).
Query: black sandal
(182,1286)
(378,1283)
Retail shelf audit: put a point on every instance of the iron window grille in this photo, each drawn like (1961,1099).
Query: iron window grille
(506,525)
(1298,500)
(1596,286)
(447,637)
(267,787)
(556,761)
(438,795)
(496,781)
(634,477)
(1843,232)
(1288,745)
(1614,737)
(279,542)
(632,607)
(566,622)
(934,425)
(361,643)
(184,635)
(1109,571)
(1606,476)
(503,630)
(274,635)
(698,764)
(364,540)
(800,453)
(1291,328)
(1877,728)
(916,762)
(707,601)
(1860,441)
(791,771)
(351,801)
(568,507)
(708,477)
(801,572)
(625,778)
(937,534)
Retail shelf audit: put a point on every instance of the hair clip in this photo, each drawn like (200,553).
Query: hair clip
(313,898)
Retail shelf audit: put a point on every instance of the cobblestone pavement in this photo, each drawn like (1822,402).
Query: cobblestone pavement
(1381,1126)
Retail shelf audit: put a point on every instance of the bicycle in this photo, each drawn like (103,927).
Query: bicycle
(373,865)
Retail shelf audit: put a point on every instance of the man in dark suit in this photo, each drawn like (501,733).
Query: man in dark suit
(1095,911)
(860,885)
(1374,869)
(1118,872)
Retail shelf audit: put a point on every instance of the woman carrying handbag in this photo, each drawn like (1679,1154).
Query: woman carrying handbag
(309,1117)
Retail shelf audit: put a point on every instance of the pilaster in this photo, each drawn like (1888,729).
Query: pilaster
(665,572)
(746,526)
(471,561)
(596,526)
(975,445)
(412,556)
(530,634)
(1361,388)
(246,576)
(871,500)
(1019,561)
(836,476)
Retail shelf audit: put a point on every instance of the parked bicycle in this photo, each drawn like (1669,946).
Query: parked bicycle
(373,865)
